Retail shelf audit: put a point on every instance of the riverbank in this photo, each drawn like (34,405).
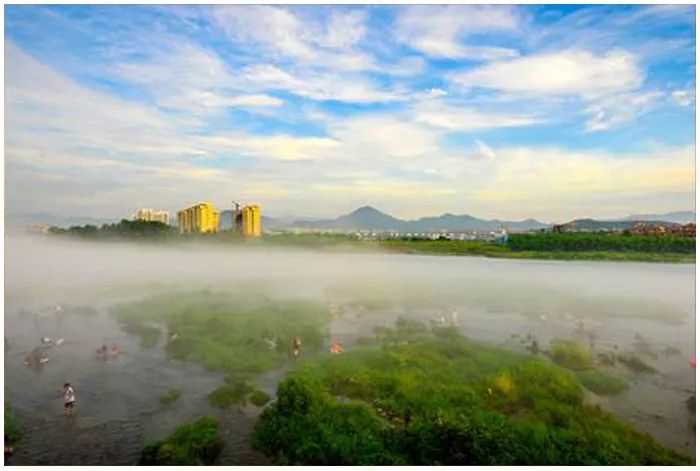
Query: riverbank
(572,247)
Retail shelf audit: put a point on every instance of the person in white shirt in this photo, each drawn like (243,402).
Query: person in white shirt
(69,400)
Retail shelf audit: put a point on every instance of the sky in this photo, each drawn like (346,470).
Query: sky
(498,111)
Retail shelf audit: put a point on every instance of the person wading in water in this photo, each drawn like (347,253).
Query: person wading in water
(296,346)
(69,401)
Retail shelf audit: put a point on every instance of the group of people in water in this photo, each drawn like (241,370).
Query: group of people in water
(334,347)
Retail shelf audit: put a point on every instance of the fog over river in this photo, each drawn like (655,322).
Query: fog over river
(643,308)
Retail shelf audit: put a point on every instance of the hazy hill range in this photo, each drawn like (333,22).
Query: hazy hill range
(679,217)
(369,218)
(597,225)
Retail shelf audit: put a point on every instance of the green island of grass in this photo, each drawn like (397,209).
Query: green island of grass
(195,443)
(601,383)
(444,401)
(170,396)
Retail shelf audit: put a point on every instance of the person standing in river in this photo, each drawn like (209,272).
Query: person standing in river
(296,346)
(68,401)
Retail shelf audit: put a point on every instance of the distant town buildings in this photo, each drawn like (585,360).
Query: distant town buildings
(202,218)
(147,214)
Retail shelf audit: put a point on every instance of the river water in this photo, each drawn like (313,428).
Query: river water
(646,309)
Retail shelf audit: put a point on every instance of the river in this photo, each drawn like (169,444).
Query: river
(625,307)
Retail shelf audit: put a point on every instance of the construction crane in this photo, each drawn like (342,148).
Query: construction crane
(236,217)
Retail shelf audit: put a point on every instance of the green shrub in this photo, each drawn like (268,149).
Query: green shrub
(231,393)
(570,354)
(195,443)
(259,398)
(13,431)
(170,396)
(601,383)
(444,402)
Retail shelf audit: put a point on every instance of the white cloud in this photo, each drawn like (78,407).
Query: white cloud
(438,30)
(617,109)
(305,39)
(279,146)
(318,86)
(255,100)
(452,118)
(571,72)
(485,150)
(683,98)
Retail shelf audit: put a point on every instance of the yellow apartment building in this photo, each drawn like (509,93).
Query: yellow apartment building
(201,217)
(248,221)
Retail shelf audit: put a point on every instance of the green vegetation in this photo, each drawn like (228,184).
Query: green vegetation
(571,355)
(124,229)
(13,431)
(234,392)
(259,398)
(589,242)
(635,364)
(191,444)
(149,334)
(170,396)
(574,246)
(600,383)
(443,401)
(239,332)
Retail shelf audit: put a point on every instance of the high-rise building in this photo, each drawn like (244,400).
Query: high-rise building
(147,214)
(201,217)
(248,221)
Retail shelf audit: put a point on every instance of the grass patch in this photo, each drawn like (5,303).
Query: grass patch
(13,431)
(444,401)
(571,355)
(195,443)
(600,383)
(231,393)
(259,398)
(170,396)
(237,332)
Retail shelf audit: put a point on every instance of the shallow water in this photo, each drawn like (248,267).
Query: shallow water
(499,302)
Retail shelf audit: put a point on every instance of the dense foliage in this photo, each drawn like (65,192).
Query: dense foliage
(582,242)
(444,401)
(13,432)
(195,443)
(123,229)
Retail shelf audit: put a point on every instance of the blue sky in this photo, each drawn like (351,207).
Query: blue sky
(551,112)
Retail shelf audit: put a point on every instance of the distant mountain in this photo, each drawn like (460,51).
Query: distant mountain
(369,218)
(679,217)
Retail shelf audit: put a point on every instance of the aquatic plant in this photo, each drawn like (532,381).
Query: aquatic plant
(232,392)
(571,355)
(170,396)
(13,431)
(636,364)
(440,402)
(195,443)
(601,383)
